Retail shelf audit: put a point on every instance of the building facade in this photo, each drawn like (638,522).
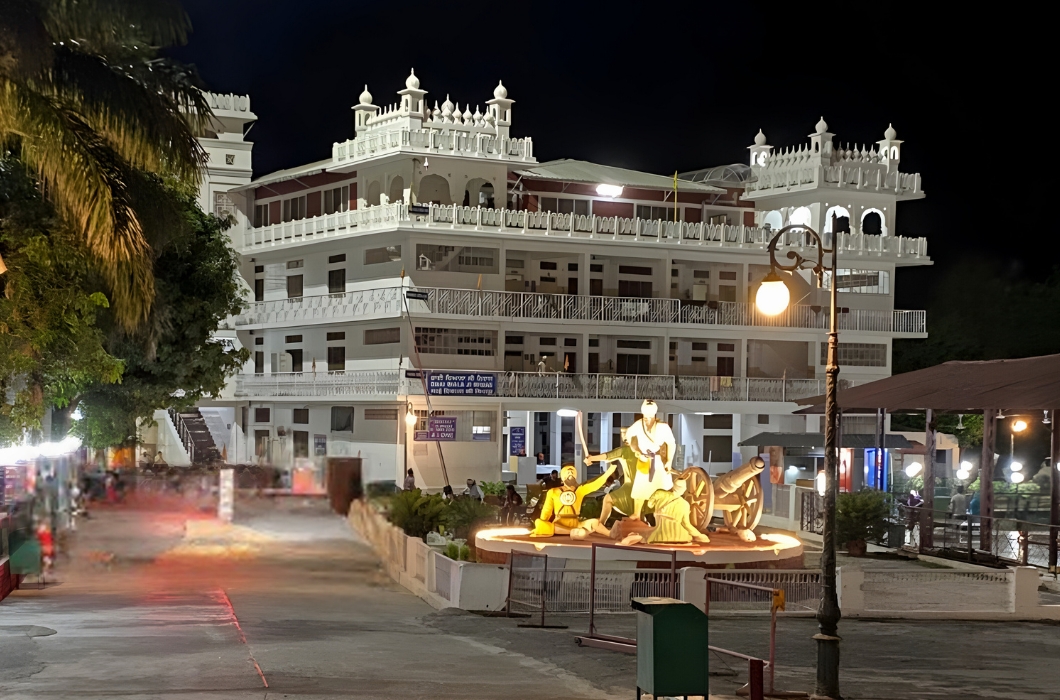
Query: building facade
(431,265)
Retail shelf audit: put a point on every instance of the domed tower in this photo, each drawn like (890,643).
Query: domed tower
(363,111)
(890,149)
(760,150)
(500,108)
(412,104)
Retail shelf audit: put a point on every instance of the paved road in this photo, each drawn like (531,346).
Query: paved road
(157,601)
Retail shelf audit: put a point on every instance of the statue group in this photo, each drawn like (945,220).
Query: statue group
(681,503)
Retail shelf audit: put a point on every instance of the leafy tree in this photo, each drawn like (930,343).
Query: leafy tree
(85,99)
(51,348)
(417,513)
(861,516)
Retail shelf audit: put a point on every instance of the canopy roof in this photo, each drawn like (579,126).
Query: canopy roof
(1032,383)
(583,171)
(851,440)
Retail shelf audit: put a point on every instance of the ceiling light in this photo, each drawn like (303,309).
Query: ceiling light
(609,190)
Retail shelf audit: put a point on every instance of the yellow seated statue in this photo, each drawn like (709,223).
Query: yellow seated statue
(672,524)
(561,511)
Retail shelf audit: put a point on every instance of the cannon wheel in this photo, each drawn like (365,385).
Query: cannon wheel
(746,517)
(700,496)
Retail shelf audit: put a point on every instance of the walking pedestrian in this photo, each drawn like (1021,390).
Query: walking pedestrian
(410,481)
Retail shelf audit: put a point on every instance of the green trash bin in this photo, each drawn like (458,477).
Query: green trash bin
(25,555)
(672,654)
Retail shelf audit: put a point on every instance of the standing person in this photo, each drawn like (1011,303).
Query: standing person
(112,491)
(410,481)
(654,445)
(959,503)
(513,502)
(473,490)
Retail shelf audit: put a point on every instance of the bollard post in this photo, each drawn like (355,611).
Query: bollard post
(754,681)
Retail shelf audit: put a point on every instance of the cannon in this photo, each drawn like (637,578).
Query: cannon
(737,494)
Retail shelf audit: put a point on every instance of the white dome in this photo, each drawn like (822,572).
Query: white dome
(366,97)
(822,126)
(500,92)
(760,139)
(412,82)
(890,134)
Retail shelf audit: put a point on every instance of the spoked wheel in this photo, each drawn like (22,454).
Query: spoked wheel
(700,496)
(749,511)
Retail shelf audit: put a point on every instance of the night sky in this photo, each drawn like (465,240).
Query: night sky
(672,86)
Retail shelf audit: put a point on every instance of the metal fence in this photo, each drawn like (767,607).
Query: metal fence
(802,588)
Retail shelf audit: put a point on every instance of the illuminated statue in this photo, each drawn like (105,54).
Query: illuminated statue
(620,499)
(672,525)
(561,512)
(653,443)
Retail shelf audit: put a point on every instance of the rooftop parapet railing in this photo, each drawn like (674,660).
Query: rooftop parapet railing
(552,224)
(432,141)
(387,301)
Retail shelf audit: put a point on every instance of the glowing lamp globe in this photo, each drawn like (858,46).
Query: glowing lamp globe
(1016,466)
(913,469)
(773,295)
(410,418)
(1019,426)
(963,475)
(821,482)
(1016,478)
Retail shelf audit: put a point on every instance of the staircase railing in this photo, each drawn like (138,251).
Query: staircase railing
(184,433)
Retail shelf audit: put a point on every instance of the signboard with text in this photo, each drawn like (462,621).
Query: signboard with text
(441,428)
(517,441)
(461,384)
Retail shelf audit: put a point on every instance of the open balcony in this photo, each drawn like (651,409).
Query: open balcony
(556,225)
(392,384)
(370,304)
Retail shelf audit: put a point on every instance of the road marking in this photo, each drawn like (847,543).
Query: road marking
(242,636)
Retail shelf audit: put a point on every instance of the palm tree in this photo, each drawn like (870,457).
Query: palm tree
(86,100)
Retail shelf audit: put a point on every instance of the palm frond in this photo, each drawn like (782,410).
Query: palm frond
(83,176)
(108,25)
(146,113)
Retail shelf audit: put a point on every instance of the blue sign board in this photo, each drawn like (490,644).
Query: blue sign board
(517,441)
(461,384)
(441,428)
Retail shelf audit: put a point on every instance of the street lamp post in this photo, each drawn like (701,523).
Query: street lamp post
(771,299)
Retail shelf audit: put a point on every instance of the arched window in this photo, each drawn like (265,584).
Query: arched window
(872,223)
(800,217)
(373,194)
(773,220)
(842,217)
(397,189)
(434,189)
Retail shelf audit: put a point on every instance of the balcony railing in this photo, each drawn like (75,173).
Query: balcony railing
(432,141)
(529,385)
(612,228)
(386,301)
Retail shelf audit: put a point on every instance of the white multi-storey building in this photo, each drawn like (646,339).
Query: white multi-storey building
(432,264)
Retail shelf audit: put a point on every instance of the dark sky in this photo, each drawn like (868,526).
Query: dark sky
(665,86)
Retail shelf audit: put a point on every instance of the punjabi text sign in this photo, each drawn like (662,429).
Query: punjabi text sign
(461,384)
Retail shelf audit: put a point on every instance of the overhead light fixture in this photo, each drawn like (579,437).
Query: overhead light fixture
(1018,426)
(1016,466)
(913,469)
(1045,418)
(960,421)
(1016,478)
(611,191)
(410,416)
(566,413)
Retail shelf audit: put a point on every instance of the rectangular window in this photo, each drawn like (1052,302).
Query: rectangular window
(699,347)
(301,443)
(654,213)
(721,421)
(332,259)
(375,256)
(261,215)
(294,286)
(548,265)
(258,269)
(634,270)
(594,342)
(455,341)
(634,288)
(342,419)
(337,199)
(259,341)
(259,289)
(633,364)
(547,341)
(596,267)
(336,359)
(296,359)
(858,354)
(301,416)
(447,258)
(717,448)
(726,366)
(295,264)
(482,425)
(382,336)
(701,274)
(572,267)
(294,208)
(513,340)
(262,415)
(337,335)
(380,414)
(727,275)
(635,344)
(860,281)
(337,281)
(763,419)
(259,362)
(570,342)
(292,339)
(726,347)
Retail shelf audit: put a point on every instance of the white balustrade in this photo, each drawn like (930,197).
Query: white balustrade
(517,222)
(430,141)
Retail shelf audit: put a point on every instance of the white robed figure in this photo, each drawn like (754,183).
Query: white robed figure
(654,444)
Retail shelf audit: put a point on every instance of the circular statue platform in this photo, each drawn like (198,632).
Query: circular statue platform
(770,549)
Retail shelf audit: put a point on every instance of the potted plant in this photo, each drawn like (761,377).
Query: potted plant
(861,516)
